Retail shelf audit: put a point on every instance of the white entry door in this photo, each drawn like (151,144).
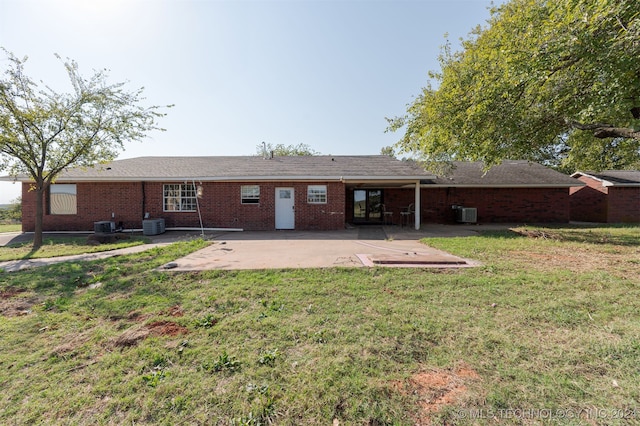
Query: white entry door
(285,209)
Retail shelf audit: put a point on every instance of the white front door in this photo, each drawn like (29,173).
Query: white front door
(285,209)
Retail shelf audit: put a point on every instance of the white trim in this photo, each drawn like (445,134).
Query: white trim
(606,183)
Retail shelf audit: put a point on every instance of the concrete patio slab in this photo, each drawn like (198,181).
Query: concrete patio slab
(389,246)
(292,249)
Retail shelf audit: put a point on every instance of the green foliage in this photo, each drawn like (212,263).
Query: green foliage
(551,81)
(281,150)
(268,357)
(154,377)
(224,362)
(13,212)
(388,150)
(207,321)
(43,132)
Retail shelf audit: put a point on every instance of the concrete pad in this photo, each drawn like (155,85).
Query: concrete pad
(291,249)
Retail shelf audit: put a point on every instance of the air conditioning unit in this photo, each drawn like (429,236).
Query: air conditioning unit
(104,227)
(153,226)
(467,215)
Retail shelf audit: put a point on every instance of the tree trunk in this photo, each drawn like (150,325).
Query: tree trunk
(37,236)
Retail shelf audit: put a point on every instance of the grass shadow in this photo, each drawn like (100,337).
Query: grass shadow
(619,234)
(62,246)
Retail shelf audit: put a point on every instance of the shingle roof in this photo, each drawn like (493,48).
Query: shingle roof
(614,177)
(510,173)
(250,167)
(322,167)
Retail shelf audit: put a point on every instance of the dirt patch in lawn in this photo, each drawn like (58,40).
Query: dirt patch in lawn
(132,336)
(13,305)
(166,328)
(10,292)
(436,389)
(175,311)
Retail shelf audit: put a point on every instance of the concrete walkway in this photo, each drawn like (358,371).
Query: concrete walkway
(356,247)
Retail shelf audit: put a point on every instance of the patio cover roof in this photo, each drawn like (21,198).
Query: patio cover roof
(614,177)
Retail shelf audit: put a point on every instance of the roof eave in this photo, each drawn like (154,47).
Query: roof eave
(349,179)
(529,185)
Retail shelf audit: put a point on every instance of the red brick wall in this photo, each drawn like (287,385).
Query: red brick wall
(624,205)
(521,205)
(518,205)
(589,203)
(96,202)
(597,203)
(220,206)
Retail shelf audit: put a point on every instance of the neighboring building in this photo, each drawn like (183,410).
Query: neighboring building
(611,196)
(302,193)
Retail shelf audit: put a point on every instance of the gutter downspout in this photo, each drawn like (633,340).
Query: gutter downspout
(418,208)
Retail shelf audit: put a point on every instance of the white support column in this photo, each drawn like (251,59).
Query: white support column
(417,206)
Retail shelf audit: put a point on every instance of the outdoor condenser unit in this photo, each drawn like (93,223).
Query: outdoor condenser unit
(467,215)
(104,227)
(153,226)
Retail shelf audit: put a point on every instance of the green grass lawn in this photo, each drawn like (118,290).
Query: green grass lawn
(547,331)
(63,246)
(10,227)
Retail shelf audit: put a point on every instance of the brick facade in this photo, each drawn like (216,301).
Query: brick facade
(624,205)
(589,203)
(495,205)
(498,205)
(606,204)
(127,202)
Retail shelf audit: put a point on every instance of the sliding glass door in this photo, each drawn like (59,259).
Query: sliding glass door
(367,205)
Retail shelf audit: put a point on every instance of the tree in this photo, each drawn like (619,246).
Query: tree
(14,212)
(282,150)
(43,132)
(555,81)
(388,150)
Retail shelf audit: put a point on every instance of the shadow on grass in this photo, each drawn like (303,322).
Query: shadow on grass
(621,235)
(62,246)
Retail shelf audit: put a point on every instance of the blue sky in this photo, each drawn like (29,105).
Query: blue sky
(322,73)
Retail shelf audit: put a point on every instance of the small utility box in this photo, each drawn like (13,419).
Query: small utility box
(153,226)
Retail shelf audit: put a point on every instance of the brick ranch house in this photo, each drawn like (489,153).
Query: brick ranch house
(302,193)
(611,196)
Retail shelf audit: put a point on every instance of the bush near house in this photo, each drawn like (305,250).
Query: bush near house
(10,216)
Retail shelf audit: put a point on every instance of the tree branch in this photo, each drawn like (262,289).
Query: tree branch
(603,131)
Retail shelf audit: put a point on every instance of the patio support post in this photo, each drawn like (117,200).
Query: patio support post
(417,206)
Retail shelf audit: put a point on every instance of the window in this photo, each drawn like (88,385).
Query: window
(317,194)
(63,199)
(250,194)
(179,197)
